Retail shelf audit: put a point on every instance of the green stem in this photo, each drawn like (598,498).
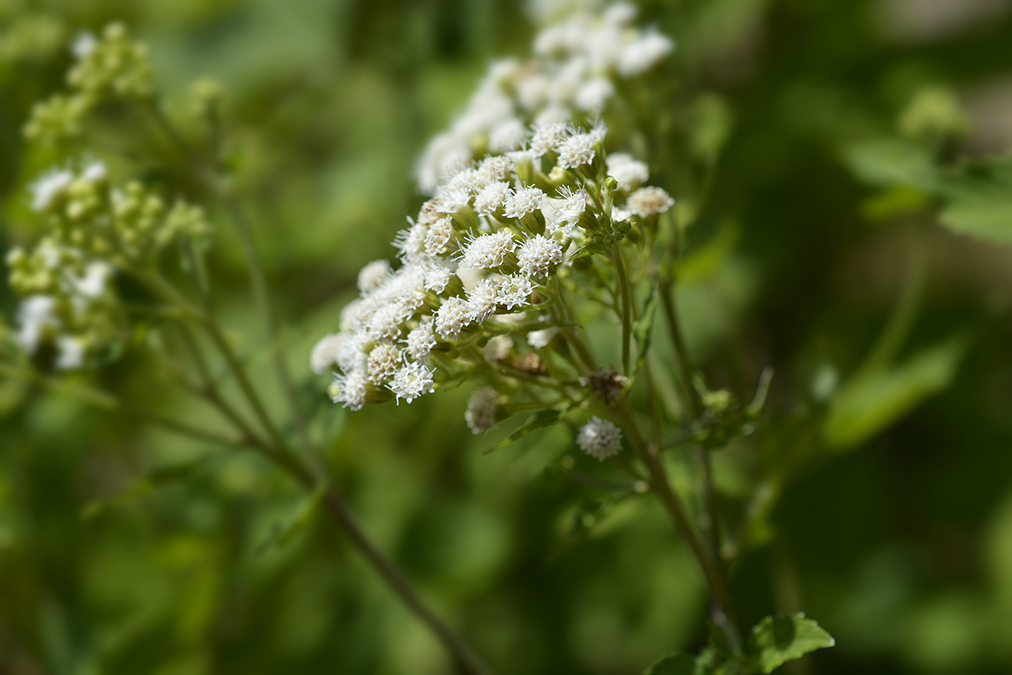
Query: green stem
(713,572)
(625,293)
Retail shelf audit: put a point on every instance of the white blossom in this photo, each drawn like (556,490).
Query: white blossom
(373,274)
(599,438)
(649,201)
(437,239)
(514,291)
(494,169)
(383,361)
(420,341)
(35,315)
(548,137)
(411,381)
(509,135)
(350,389)
(524,201)
(538,255)
(540,338)
(480,414)
(628,171)
(644,53)
(325,352)
(452,317)
(577,150)
(593,94)
(489,250)
(497,348)
(482,300)
(69,352)
(48,186)
(492,197)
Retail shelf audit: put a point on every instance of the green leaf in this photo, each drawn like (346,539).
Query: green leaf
(675,664)
(543,418)
(785,638)
(888,163)
(871,402)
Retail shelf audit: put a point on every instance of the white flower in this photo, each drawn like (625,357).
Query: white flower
(482,300)
(577,150)
(94,172)
(411,242)
(649,201)
(325,352)
(437,239)
(35,315)
(411,381)
(538,255)
(492,197)
(468,179)
(385,322)
(548,137)
(562,215)
(496,168)
(593,94)
(523,201)
(497,348)
(540,338)
(383,361)
(420,341)
(489,250)
(84,43)
(373,274)
(509,135)
(70,353)
(48,186)
(599,438)
(96,277)
(514,291)
(351,353)
(643,53)
(436,274)
(350,389)
(480,414)
(451,199)
(452,317)
(628,171)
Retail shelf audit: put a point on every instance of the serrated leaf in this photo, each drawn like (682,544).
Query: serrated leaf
(543,418)
(871,402)
(785,638)
(675,664)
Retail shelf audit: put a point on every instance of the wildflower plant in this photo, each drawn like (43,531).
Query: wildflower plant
(533,275)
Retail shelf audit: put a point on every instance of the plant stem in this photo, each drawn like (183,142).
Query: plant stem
(626,297)
(713,571)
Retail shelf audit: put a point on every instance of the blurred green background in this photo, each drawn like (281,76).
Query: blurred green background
(885,508)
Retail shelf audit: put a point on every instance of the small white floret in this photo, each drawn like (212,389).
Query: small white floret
(524,201)
(489,250)
(349,389)
(383,361)
(599,438)
(452,317)
(420,341)
(577,150)
(325,352)
(539,255)
(373,274)
(628,171)
(480,414)
(509,135)
(649,201)
(514,291)
(492,198)
(411,381)
(48,186)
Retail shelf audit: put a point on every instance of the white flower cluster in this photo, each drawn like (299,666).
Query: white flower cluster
(67,301)
(475,253)
(574,71)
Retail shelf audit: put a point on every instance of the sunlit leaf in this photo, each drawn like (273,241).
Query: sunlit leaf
(871,402)
(785,638)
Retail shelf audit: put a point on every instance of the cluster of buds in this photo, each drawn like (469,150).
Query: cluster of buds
(93,230)
(577,68)
(479,291)
(112,67)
